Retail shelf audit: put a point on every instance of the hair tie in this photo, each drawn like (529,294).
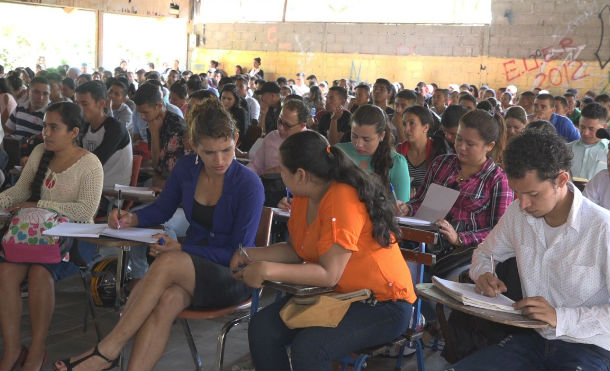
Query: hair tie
(328,150)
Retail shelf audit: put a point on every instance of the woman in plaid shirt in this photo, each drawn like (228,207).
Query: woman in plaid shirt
(484,191)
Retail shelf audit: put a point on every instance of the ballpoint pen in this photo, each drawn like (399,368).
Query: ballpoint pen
(393,192)
(119,209)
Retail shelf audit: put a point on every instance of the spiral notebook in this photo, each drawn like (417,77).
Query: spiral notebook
(465,293)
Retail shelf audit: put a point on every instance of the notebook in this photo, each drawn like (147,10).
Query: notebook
(465,293)
(96,230)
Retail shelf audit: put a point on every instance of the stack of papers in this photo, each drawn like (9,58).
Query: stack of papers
(437,203)
(96,230)
(465,293)
(143,191)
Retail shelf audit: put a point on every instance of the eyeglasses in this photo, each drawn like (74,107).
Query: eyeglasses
(285,124)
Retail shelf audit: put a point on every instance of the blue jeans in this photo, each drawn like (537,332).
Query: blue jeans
(314,348)
(530,351)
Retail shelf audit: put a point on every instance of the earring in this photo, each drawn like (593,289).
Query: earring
(196,159)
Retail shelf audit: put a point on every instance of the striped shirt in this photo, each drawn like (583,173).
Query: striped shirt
(483,199)
(24,123)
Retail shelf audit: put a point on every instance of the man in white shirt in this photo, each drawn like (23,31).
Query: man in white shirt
(560,241)
(598,188)
(589,151)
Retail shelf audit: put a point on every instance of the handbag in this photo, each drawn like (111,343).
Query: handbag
(324,310)
(24,241)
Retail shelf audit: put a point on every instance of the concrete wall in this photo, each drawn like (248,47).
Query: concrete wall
(551,44)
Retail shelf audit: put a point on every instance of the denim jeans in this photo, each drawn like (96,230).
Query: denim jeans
(530,351)
(314,348)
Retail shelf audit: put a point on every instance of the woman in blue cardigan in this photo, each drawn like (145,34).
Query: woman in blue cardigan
(222,201)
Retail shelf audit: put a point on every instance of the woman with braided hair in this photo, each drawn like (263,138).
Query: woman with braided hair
(61,176)
(222,202)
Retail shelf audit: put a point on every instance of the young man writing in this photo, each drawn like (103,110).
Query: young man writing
(560,241)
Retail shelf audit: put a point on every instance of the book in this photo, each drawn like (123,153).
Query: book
(142,191)
(436,205)
(466,294)
(96,230)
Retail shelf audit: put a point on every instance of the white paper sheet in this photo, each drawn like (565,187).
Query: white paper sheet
(465,293)
(437,203)
(96,230)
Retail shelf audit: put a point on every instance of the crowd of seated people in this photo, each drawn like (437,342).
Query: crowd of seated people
(393,140)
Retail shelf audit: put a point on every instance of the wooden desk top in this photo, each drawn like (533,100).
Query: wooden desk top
(110,192)
(428,291)
(427,235)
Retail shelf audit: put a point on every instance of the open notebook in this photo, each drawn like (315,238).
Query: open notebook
(96,230)
(465,293)
(437,203)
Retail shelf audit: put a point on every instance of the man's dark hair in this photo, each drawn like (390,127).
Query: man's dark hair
(148,93)
(194,84)
(339,90)
(281,80)
(595,111)
(301,109)
(569,94)
(39,80)
(452,115)
(545,96)
(97,89)
(386,82)
(407,94)
(54,76)
(545,153)
(542,125)
(120,82)
(242,78)
(561,100)
(214,63)
(528,93)
(364,86)
(85,76)
(469,98)
(179,88)
(152,75)
(602,98)
(151,65)
(118,70)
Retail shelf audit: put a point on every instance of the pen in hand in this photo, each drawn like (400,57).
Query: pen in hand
(119,210)
(493,268)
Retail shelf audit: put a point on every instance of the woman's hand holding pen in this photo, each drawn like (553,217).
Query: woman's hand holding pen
(125,220)
(285,203)
(239,261)
(402,208)
(164,244)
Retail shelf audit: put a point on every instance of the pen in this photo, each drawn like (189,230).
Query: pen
(287,194)
(393,192)
(119,209)
(161,241)
(493,265)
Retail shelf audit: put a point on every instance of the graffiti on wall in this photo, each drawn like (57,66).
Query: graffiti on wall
(551,66)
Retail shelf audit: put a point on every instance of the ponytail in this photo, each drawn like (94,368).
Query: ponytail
(36,185)
(311,152)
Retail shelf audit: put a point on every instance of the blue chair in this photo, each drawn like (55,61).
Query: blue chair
(413,336)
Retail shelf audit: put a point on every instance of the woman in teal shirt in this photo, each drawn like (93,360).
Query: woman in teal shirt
(372,148)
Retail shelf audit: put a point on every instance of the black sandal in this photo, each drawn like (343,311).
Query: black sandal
(96,352)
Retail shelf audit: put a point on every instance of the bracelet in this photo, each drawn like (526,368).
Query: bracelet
(243,252)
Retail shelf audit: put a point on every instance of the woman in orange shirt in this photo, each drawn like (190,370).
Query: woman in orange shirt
(342,225)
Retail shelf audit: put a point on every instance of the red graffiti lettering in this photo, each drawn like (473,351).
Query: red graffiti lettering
(530,69)
(271,34)
(579,72)
(557,72)
(566,42)
(508,71)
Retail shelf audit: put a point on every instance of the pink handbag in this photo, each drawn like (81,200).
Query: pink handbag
(23,241)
